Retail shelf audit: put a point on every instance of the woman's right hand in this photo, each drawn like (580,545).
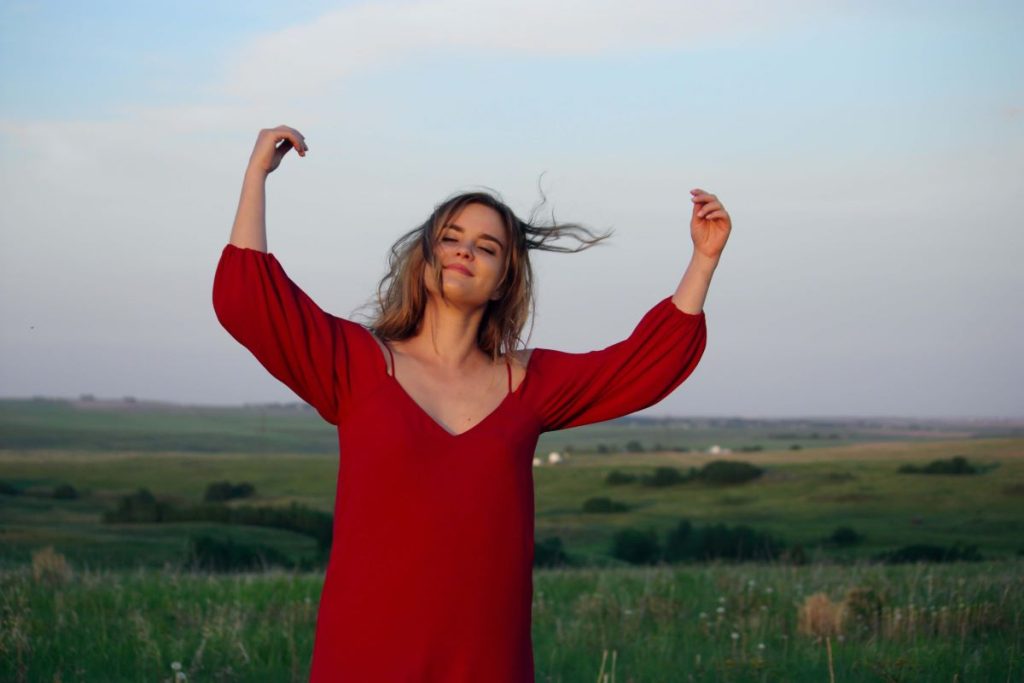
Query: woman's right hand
(267,154)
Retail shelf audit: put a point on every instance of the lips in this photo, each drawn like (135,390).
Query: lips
(459,268)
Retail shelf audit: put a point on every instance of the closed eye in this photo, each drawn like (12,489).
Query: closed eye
(452,239)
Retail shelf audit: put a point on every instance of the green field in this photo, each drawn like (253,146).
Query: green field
(705,623)
(802,498)
(126,607)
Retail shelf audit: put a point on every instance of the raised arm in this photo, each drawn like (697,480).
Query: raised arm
(575,389)
(250,228)
(300,344)
(710,226)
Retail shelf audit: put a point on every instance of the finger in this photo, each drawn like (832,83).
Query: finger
(300,140)
(296,143)
(716,214)
(708,208)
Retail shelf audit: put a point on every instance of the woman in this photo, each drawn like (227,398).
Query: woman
(438,415)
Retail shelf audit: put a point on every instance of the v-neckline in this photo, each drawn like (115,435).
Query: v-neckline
(437,425)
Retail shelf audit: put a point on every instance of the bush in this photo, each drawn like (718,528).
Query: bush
(924,552)
(844,536)
(956,465)
(549,553)
(225,490)
(211,554)
(65,492)
(723,472)
(140,506)
(719,541)
(636,547)
(603,505)
(9,489)
(665,476)
(634,447)
(616,477)
(143,507)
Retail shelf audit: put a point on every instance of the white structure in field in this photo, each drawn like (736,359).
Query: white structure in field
(554,457)
(718,449)
(536,462)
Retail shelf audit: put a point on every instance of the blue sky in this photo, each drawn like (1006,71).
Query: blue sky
(869,154)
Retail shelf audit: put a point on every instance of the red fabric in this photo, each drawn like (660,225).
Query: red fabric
(430,572)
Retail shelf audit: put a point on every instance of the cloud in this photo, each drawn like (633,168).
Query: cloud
(304,59)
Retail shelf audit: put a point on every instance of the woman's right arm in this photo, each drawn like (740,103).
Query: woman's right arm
(264,310)
(250,228)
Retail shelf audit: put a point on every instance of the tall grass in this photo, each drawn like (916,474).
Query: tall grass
(688,623)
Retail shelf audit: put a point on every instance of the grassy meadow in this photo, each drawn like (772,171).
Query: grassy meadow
(747,622)
(115,601)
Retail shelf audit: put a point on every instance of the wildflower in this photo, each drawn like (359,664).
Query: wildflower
(768,590)
(720,610)
(760,646)
(721,600)
(703,615)
(179,675)
(735,636)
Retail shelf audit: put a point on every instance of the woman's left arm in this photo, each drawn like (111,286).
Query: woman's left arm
(710,226)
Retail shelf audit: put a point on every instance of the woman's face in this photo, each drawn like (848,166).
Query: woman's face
(472,252)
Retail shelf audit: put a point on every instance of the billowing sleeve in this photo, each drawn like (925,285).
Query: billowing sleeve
(267,313)
(582,388)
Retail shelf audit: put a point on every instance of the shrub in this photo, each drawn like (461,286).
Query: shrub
(845,536)
(924,552)
(225,490)
(140,506)
(602,504)
(718,541)
(143,507)
(549,553)
(65,492)
(211,554)
(9,489)
(634,447)
(723,472)
(636,547)
(956,465)
(616,477)
(665,476)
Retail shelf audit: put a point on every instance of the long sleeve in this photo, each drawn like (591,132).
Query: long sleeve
(267,313)
(582,388)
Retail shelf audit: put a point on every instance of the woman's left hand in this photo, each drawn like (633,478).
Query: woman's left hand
(710,224)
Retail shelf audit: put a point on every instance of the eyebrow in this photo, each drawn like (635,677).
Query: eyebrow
(485,236)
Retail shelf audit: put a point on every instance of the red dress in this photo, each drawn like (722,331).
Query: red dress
(430,571)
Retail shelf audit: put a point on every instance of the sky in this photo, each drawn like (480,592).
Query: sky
(870,155)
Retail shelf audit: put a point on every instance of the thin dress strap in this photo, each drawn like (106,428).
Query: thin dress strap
(509,366)
(388,347)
